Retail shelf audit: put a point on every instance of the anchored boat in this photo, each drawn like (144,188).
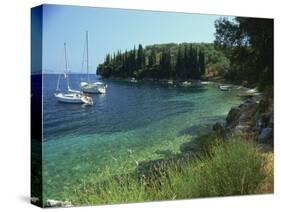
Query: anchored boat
(71,96)
(87,87)
(225,87)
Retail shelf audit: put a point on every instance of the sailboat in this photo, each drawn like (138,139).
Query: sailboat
(87,87)
(71,96)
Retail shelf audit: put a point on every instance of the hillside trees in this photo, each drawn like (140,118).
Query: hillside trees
(161,61)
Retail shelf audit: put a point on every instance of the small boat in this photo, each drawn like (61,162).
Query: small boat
(225,87)
(252,91)
(186,83)
(96,87)
(204,83)
(71,96)
(87,99)
(170,82)
(88,87)
(133,80)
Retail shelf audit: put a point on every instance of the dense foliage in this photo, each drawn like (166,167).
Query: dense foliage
(165,61)
(248,44)
(242,53)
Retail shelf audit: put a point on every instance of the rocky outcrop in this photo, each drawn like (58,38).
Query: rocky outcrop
(57,203)
(232,118)
(35,200)
(252,116)
(220,131)
(265,135)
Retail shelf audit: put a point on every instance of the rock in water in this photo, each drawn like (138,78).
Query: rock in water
(266,135)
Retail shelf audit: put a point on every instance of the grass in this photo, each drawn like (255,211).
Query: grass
(235,167)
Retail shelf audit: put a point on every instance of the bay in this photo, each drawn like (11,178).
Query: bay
(131,123)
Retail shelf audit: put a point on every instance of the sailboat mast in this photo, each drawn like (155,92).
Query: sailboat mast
(66,68)
(87,53)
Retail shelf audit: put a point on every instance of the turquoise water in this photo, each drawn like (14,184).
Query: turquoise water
(131,123)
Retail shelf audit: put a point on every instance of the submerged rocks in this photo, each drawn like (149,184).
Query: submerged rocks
(188,147)
(57,203)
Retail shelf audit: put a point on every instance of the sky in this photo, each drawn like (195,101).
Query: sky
(111,30)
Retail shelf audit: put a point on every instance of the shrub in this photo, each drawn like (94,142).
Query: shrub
(234,167)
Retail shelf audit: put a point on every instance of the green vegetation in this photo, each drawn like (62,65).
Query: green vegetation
(165,61)
(235,167)
(242,53)
(248,44)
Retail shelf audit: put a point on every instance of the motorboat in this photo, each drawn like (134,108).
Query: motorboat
(225,87)
(186,83)
(96,87)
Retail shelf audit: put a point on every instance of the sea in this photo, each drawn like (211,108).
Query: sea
(132,123)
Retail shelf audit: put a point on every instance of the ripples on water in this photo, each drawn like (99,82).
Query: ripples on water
(142,118)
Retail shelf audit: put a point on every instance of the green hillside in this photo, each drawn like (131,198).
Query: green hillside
(165,61)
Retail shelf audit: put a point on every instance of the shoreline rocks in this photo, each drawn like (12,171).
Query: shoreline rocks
(57,203)
(250,117)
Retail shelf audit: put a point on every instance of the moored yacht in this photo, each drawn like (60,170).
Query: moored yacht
(88,87)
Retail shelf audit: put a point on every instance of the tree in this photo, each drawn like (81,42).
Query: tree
(187,64)
(152,58)
(179,64)
(201,62)
(165,64)
(248,43)
(140,57)
(181,61)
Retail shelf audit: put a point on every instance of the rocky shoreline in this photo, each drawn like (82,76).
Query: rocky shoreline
(253,117)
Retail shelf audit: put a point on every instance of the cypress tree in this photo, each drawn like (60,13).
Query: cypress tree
(165,64)
(140,57)
(201,62)
(152,58)
(186,64)
(179,64)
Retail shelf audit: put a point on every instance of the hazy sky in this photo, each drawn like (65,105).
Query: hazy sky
(113,29)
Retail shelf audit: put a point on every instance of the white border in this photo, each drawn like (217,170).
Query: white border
(15,94)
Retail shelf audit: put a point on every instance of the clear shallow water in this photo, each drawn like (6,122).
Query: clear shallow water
(131,122)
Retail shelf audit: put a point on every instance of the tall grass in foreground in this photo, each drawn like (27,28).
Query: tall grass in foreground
(232,168)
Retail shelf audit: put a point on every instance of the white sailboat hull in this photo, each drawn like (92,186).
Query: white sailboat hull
(69,98)
(74,98)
